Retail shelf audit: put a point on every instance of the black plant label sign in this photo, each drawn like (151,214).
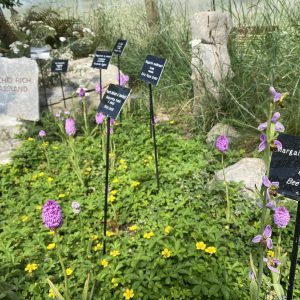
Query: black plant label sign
(285,166)
(152,69)
(119,47)
(113,100)
(59,66)
(101,59)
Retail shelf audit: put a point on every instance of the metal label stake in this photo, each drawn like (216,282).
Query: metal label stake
(62,90)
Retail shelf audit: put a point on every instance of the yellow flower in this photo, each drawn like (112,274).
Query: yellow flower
(128,294)
(30,139)
(41,174)
(133,228)
(109,233)
(114,282)
(94,237)
(167,229)
(211,250)
(24,218)
(200,246)
(172,122)
(114,253)
(51,246)
(134,183)
(98,247)
(38,207)
(166,253)
(122,161)
(61,196)
(31,267)
(55,147)
(111,199)
(227,227)
(103,263)
(69,271)
(88,169)
(148,235)
(51,232)
(115,180)
(50,179)
(51,294)
(270,253)
(114,192)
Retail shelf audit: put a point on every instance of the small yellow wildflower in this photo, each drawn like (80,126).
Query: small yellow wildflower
(103,263)
(69,271)
(227,227)
(24,218)
(51,232)
(114,282)
(211,250)
(51,246)
(55,147)
(168,229)
(114,253)
(94,237)
(109,233)
(133,228)
(38,207)
(98,247)
(31,267)
(166,253)
(200,246)
(172,122)
(270,253)
(111,199)
(50,179)
(134,183)
(61,196)
(128,294)
(114,192)
(148,235)
(41,174)
(122,161)
(30,139)
(51,294)
(88,169)
(115,180)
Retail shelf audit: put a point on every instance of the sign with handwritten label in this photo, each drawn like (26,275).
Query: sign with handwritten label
(113,100)
(285,166)
(119,47)
(101,59)
(59,66)
(152,69)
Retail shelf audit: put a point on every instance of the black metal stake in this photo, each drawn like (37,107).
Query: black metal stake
(43,81)
(214,5)
(100,85)
(62,89)
(153,133)
(119,80)
(150,103)
(294,256)
(106,181)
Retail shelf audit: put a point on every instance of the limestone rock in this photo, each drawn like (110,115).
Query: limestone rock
(19,88)
(80,74)
(219,129)
(248,170)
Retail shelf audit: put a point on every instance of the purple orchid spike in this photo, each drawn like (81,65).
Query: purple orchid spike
(264,239)
(99,118)
(262,146)
(52,215)
(281,217)
(272,264)
(70,127)
(124,79)
(222,143)
(42,133)
(98,88)
(81,92)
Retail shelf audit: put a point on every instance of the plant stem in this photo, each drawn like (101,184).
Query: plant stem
(228,209)
(67,290)
(86,125)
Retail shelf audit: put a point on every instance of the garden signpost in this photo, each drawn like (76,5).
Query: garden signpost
(41,53)
(60,66)
(118,50)
(285,168)
(101,61)
(151,73)
(111,106)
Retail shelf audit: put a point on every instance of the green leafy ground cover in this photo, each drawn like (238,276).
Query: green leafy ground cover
(152,249)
